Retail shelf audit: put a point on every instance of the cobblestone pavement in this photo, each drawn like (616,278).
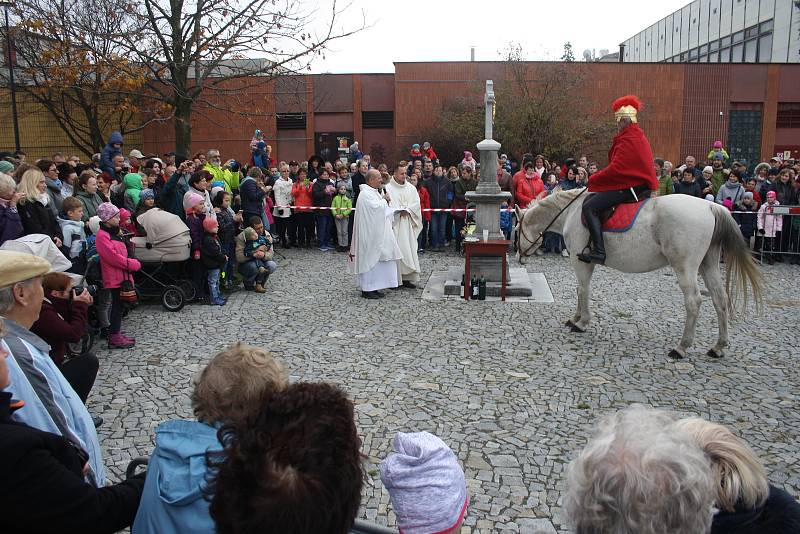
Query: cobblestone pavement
(509,388)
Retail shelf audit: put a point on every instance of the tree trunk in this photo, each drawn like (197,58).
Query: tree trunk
(183,127)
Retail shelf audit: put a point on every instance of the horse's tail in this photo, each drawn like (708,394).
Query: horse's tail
(741,270)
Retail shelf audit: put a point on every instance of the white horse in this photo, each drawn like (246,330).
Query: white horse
(684,232)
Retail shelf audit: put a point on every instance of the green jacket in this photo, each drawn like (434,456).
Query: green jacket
(341,205)
(230,178)
(717,179)
(665,185)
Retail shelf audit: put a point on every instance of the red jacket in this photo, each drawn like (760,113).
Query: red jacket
(630,163)
(114,261)
(526,190)
(302,196)
(60,322)
(431,154)
(425,203)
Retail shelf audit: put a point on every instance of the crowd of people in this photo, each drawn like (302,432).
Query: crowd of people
(220,471)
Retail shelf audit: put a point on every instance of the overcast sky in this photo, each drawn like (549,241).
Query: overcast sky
(444,30)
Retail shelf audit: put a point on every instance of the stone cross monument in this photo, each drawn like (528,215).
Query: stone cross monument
(488,197)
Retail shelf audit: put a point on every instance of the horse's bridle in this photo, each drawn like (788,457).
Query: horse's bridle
(546,228)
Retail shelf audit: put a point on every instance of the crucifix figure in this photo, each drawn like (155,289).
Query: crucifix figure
(488,99)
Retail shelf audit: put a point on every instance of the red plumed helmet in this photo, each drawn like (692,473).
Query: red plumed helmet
(627,100)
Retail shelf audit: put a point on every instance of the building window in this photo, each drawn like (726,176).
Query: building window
(788,115)
(725,41)
(744,133)
(751,32)
(750,52)
(713,46)
(703,49)
(703,59)
(725,55)
(693,54)
(736,53)
(766,26)
(683,57)
(377,119)
(291,121)
(738,37)
(765,48)
(713,57)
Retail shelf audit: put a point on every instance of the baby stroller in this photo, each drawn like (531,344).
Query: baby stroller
(44,247)
(163,253)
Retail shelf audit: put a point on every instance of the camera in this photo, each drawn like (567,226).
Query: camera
(91,288)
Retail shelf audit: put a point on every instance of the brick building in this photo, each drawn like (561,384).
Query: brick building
(753,108)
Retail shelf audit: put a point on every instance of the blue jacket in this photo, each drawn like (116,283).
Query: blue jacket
(252,197)
(173,499)
(51,404)
(109,152)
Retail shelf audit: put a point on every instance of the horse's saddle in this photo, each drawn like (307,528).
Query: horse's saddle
(620,218)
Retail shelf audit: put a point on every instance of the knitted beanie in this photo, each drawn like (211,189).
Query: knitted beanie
(426,484)
(147,194)
(107,211)
(191,200)
(210,224)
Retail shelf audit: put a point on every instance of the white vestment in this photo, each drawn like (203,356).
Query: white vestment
(406,227)
(373,251)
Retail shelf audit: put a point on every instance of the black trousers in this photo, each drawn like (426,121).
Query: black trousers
(115,318)
(606,199)
(81,372)
(305,227)
(283,226)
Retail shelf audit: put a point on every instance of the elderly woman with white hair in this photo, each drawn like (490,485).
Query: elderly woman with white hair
(10,223)
(638,476)
(747,502)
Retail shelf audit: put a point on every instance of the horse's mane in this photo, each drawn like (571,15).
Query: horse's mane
(559,198)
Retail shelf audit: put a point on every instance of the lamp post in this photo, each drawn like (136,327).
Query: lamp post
(5,4)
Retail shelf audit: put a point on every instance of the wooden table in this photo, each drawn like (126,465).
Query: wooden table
(492,248)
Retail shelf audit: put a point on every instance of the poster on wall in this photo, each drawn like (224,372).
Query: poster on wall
(328,144)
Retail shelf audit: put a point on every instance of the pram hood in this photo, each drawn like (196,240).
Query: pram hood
(161,226)
(44,247)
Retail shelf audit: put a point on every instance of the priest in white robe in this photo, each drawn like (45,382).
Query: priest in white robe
(373,251)
(404,197)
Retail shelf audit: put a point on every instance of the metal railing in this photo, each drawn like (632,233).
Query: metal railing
(781,238)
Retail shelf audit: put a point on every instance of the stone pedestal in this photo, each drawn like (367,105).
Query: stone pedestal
(488,196)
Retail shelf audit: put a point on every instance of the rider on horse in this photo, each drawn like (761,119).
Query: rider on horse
(629,176)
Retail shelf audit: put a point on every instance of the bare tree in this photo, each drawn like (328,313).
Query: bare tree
(212,52)
(539,110)
(80,77)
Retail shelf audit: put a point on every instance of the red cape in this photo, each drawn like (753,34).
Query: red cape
(630,163)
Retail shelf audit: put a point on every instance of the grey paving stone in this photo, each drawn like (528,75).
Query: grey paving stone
(507,386)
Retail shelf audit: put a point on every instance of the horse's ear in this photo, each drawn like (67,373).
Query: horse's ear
(518,212)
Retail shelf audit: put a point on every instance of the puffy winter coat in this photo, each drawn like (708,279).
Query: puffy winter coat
(114,260)
(109,152)
(302,196)
(771,224)
(283,197)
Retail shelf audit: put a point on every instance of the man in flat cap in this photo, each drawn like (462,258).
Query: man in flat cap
(51,404)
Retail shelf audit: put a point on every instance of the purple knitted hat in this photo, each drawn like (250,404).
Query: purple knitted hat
(107,211)
(426,484)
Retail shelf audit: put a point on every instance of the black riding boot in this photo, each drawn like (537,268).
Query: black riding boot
(598,252)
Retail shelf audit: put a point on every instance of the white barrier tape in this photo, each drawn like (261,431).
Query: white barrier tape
(307,208)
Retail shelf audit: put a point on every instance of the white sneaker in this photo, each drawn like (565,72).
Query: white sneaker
(565,253)
(539,252)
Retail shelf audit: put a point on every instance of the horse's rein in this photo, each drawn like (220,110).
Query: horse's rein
(541,234)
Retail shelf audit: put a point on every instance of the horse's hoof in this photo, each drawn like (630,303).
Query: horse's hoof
(675,355)
(569,323)
(714,354)
(576,328)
